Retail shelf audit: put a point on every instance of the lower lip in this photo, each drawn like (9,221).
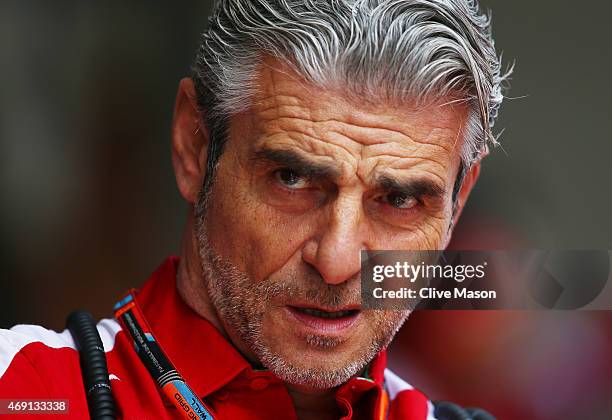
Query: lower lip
(326,325)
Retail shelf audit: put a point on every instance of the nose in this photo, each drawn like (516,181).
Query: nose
(335,250)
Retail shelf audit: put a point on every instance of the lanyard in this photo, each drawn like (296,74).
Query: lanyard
(171,383)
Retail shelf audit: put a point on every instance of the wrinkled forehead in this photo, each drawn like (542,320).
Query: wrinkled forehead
(329,124)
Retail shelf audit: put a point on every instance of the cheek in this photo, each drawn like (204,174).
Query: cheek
(253,236)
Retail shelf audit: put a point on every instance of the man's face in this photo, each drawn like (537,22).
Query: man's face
(306,181)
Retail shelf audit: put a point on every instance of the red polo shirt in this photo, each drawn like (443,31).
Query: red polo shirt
(43,364)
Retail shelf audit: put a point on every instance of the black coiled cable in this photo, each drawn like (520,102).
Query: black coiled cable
(444,410)
(93,365)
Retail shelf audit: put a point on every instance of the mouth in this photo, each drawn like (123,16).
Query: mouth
(320,320)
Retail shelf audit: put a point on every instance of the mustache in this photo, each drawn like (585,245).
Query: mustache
(311,290)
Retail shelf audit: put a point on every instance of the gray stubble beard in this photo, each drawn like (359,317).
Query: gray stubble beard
(237,300)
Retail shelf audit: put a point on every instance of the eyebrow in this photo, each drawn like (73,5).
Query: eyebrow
(317,170)
(413,188)
(297,162)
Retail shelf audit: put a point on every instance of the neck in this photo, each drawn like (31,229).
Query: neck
(309,403)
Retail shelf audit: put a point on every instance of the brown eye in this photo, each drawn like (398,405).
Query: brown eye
(401,201)
(290,179)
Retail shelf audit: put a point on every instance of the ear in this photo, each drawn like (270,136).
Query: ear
(468,183)
(189,142)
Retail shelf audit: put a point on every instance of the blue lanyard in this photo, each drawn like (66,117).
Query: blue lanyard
(168,379)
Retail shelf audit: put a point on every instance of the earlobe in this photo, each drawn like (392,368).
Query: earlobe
(189,142)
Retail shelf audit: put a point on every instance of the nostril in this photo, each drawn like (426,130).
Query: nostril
(336,260)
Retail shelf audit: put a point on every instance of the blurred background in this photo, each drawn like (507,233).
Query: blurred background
(89,205)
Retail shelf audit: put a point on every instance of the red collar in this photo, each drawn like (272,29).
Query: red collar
(195,346)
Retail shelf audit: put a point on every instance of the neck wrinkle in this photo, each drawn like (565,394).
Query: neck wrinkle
(189,281)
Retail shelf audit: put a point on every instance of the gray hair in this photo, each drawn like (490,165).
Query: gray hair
(394,50)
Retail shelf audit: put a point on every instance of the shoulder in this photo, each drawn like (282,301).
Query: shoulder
(35,360)
(405,400)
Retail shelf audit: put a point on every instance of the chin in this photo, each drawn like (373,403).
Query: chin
(313,366)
